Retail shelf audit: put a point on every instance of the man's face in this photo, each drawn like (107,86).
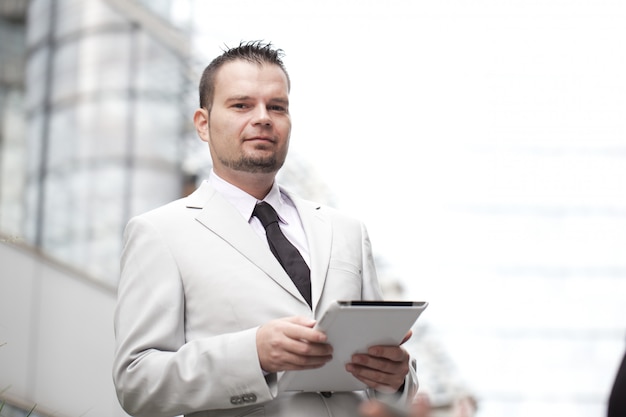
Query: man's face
(248,126)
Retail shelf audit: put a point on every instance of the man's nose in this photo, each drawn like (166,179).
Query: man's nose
(262,116)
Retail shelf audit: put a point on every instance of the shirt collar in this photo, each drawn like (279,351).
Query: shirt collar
(244,202)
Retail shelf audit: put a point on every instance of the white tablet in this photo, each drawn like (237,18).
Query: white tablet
(351,327)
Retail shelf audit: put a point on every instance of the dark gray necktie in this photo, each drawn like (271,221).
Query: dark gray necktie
(284,251)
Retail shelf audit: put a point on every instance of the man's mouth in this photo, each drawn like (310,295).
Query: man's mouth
(259,139)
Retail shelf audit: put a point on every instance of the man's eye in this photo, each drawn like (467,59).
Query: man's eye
(277,108)
(240,106)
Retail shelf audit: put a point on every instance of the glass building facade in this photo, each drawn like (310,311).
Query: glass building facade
(12,115)
(105,105)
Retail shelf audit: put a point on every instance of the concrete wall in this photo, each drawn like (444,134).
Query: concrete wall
(56,337)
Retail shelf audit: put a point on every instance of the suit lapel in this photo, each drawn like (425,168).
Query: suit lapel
(219,216)
(318,232)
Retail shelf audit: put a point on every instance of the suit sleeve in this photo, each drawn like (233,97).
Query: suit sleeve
(157,372)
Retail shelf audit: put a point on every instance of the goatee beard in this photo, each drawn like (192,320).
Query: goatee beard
(254,165)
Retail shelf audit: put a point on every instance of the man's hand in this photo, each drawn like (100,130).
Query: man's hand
(383,368)
(291,343)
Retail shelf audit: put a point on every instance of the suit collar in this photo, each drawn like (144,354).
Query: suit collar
(199,198)
(219,216)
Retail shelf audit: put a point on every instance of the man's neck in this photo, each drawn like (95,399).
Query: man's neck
(255,184)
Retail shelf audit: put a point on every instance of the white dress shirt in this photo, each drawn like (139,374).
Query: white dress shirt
(289,220)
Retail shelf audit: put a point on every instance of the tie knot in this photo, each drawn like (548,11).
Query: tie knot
(265,213)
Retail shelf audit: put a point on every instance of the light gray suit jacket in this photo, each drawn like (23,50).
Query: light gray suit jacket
(196,283)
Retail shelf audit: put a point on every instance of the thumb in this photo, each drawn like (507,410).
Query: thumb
(407,337)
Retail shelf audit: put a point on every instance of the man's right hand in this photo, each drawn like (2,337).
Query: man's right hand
(291,344)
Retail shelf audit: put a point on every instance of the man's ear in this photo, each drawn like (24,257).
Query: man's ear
(201,121)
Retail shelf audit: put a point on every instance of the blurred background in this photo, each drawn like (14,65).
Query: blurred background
(483,143)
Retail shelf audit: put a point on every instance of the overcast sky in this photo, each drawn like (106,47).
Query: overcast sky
(393,101)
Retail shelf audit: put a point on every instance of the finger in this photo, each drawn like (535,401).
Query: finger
(302,347)
(407,337)
(285,335)
(278,357)
(392,353)
(284,344)
(383,364)
(380,371)
(299,353)
(381,381)
(297,362)
(300,320)
(289,343)
(381,385)
(302,328)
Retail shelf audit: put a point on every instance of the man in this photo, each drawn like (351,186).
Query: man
(208,317)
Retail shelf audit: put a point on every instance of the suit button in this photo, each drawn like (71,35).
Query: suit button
(249,398)
(236,400)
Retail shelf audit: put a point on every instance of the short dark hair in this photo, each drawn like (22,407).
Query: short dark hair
(257,52)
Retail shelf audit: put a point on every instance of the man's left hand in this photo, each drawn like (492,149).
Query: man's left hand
(383,368)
